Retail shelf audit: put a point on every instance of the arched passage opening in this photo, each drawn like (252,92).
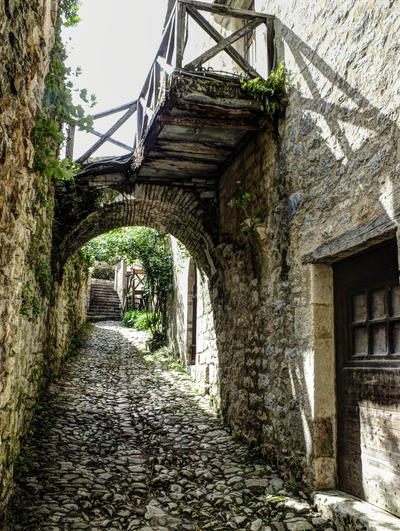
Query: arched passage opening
(189,218)
(179,212)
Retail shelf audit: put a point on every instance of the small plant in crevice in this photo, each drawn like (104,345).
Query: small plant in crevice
(23,464)
(244,202)
(271,92)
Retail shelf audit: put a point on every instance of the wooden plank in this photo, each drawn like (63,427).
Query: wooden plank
(193,148)
(172,155)
(226,10)
(139,121)
(198,121)
(227,138)
(198,167)
(101,179)
(172,43)
(166,36)
(224,43)
(271,45)
(198,109)
(174,174)
(106,135)
(200,98)
(234,54)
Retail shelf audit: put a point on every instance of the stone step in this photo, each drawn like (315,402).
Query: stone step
(104,303)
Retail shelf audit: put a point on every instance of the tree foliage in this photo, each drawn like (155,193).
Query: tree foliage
(150,248)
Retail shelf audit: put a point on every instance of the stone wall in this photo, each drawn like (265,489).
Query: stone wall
(38,315)
(331,168)
(326,182)
(180,326)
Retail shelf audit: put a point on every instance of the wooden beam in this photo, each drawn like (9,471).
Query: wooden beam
(192,148)
(271,45)
(223,43)
(106,135)
(209,122)
(115,109)
(226,10)
(234,54)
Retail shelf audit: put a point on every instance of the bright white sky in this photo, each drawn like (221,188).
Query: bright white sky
(115,44)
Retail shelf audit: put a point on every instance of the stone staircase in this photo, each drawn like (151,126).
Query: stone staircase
(104,303)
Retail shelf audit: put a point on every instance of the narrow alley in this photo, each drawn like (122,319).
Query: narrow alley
(122,443)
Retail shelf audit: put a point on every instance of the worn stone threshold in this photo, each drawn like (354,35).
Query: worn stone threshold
(352,514)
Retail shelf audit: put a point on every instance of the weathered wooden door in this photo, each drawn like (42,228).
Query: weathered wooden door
(367,330)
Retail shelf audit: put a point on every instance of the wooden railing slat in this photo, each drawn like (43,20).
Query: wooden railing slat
(226,10)
(180,33)
(223,43)
(115,109)
(234,54)
(106,135)
(112,140)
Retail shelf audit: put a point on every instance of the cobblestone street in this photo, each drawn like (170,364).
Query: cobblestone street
(123,444)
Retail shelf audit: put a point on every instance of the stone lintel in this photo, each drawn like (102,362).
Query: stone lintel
(370,233)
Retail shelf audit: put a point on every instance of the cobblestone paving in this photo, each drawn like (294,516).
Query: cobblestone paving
(122,444)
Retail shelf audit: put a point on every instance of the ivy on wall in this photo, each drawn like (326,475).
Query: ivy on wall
(58,109)
(271,92)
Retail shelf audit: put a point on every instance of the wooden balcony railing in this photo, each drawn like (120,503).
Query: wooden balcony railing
(170,58)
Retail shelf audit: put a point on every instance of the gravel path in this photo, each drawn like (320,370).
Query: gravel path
(120,443)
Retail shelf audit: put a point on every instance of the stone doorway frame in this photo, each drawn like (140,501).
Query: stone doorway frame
(324,406)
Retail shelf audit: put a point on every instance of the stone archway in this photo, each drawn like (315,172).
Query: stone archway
(179,212)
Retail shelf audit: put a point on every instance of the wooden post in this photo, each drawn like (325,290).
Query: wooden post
(180,33)
(270,45)
(69,149)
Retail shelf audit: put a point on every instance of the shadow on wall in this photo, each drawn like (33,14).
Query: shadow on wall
(338,146)
(342,151)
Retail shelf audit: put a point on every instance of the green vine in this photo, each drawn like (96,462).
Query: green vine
(31,306)
(45,278)
(271,93)
(58,109)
